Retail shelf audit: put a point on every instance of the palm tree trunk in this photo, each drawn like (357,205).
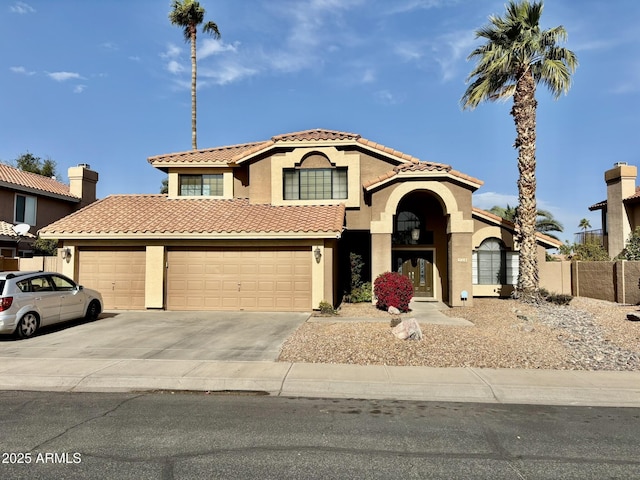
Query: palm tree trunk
(524,115)
(194,139)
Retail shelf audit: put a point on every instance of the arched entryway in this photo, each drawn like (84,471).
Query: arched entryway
(419,244)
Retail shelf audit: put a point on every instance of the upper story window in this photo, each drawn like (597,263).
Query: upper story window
(25,211)
(315,184)
(209,185)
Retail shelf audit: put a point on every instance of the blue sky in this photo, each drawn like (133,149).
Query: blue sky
(107,83)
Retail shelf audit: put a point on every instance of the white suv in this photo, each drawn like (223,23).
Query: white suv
(30,300)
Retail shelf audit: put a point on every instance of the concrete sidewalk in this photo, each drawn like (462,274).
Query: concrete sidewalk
(620,389)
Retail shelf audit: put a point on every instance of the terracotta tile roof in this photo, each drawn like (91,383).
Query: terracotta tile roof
(6,231)
(234,153)
(136,215)
(13,177)
(419,167)
(550,241)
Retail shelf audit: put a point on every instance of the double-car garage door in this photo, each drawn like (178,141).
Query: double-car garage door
(239,279)
(204,279)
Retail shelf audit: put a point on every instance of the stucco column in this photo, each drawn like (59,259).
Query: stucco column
(154,277)
(380,254)
(460,274)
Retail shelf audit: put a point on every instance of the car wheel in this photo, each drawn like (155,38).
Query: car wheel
(27,325)
(93,310)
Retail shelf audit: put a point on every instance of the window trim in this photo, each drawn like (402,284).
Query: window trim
(28,199)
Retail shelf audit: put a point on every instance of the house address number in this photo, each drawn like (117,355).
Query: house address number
(463,260)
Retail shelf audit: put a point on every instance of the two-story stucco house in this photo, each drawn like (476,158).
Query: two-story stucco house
(35,200)
(270,225)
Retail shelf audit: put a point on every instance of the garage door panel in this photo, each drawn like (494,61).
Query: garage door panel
(249,279)
(119,275)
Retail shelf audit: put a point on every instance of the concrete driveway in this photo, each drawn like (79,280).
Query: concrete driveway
(222,336)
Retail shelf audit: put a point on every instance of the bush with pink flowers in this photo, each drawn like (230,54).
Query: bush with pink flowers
(393,290)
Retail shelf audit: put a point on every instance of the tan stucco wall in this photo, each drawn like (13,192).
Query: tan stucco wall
(555,277)
(621,183)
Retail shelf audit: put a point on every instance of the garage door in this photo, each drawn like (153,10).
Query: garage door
(243,279)
(117,274)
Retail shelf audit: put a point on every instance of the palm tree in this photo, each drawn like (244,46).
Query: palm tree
(545,223)
(188,14)
(584,224)
(516,57)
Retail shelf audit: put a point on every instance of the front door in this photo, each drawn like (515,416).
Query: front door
(419,269)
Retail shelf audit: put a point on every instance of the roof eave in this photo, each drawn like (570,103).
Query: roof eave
(190,236)
(475,184)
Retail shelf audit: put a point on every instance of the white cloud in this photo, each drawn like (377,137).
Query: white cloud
(21,70)
(63,76)
(79,88)
(226,73)
(487,200)
(134,58)
(22,8)
(210,47)
(386,97)
(172,51)
(412,5)
(109,46)
(175,67)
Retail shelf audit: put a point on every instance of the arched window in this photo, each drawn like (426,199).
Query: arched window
(406,224)
(491,263)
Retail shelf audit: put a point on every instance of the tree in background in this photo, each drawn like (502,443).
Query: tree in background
(545,223)
(584,225)
(188,14)
(632,248)
(516,56)
(165,186)
(27,162)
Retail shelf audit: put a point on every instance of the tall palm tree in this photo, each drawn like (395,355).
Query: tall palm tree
(188,14)
(516,56)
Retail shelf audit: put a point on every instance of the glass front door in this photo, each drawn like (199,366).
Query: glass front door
(418,267)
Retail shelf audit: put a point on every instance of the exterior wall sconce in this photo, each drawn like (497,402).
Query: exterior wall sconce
(415,234)
(317,254)
(66,254)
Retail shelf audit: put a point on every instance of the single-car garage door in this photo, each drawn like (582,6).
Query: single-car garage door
(239,279)
(117,274)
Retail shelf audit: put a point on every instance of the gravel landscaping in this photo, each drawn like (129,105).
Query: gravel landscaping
(587,335)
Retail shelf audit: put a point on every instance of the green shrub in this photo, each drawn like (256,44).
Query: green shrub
(393,290)
(363,293)
(326,308)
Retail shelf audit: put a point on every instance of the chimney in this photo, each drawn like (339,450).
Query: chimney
(621,184)
(82,183)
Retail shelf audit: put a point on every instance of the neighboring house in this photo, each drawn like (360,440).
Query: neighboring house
(270,226)
(621,210)
(35,200)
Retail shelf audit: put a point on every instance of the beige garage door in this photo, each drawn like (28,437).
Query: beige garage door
(268,280)
(117,274)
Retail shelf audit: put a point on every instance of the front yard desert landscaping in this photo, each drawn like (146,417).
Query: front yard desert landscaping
(588,334)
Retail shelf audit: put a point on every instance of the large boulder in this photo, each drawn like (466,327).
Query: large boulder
(408,329)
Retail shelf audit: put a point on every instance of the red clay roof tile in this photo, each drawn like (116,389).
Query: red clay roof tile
(32,181)
(157,214)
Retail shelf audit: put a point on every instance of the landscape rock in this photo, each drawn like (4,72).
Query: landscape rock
(393,311)
(408,329)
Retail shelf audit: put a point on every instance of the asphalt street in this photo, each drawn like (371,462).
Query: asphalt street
(182,435)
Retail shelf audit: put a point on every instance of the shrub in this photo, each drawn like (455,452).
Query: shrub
(326,308)
(559,298)
(361,293)
(393,290)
